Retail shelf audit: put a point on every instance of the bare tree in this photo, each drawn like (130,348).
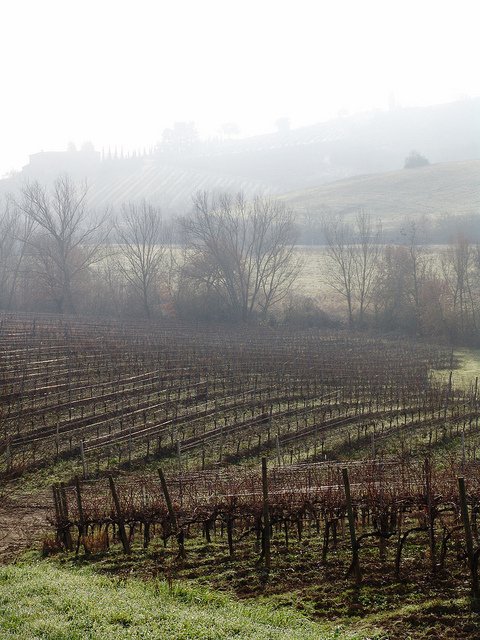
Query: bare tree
(458,263)
(366,254)
(353,253)
(340,258)
(420,265)
(65,242)
(143,244)
(243,251)
(13,232)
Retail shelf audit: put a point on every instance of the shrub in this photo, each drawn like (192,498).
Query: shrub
(415,159)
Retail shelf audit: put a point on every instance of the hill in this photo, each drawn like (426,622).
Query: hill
(274,163)
(435,191)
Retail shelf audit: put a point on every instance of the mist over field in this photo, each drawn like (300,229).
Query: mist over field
(239,319)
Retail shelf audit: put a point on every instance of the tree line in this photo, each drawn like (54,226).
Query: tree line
(410,287)
(226,259)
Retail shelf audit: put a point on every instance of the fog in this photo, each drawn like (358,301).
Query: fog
(118,73)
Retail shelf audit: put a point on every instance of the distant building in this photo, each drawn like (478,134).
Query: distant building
(46,165)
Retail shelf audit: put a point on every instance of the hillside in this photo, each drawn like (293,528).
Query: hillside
(275,163)
(255,430)
(445,189)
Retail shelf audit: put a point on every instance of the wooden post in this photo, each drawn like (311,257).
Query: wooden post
(168,501)
(8,455)
(430,513)
(58,512)
(120,522)
(220,454)
(279,457)
(351,526)
(81,524)
(179,456)
(82,453)
(64,509)
(230,535)
(266,515)
(472,560)
(171,513)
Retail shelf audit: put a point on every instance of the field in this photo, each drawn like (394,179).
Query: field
(315,471)
(446,189)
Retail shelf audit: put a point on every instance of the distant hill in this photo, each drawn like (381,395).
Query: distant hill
(276,163)
(451,188)
(436,192)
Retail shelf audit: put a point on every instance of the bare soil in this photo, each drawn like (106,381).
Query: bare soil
(23,523)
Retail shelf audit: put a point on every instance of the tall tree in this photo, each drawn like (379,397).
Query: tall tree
(13,232)
(366,254)
(459,270)
(65,242)
(142,238)
(353,252)
(242,250)
(340,258)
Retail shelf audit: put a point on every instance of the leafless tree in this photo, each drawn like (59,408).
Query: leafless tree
(65,241)
(458,263)
(143,239)
(244,251)
(340,258)
(420,267)
(13,231)
(353,253)
(366,253)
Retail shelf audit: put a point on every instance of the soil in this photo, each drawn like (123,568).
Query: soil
(23,523)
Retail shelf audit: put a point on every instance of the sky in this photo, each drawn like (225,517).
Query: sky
(118,72)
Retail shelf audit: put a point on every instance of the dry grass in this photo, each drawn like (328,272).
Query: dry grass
(451,188)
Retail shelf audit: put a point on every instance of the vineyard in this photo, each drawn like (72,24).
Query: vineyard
(109,396)
(256,441)
(349,505)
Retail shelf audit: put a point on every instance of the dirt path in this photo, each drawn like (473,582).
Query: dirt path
(23,523)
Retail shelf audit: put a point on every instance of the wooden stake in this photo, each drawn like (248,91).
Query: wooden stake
(82,453)
(351,526)
(266,515)
(472,556)
(279,457)
(82,530)
(120,522)
(171,513)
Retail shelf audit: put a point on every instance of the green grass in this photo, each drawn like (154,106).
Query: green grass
(469,363)
(48,601)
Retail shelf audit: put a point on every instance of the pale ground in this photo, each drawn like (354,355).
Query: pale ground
(312,281)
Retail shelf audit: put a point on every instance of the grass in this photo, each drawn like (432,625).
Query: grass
(419,605)
(45,600)
(449,188)
(469,360)
(153,594)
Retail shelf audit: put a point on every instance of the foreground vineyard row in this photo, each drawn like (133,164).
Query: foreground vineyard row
(395,504)
(364,445)
(106,395)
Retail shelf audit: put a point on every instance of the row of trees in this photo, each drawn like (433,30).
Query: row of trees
(228,258)
(410,287)
(235,258)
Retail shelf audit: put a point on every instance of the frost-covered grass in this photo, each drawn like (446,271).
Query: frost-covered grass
(48,601)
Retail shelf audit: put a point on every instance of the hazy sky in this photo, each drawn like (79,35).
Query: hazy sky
(119,72)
